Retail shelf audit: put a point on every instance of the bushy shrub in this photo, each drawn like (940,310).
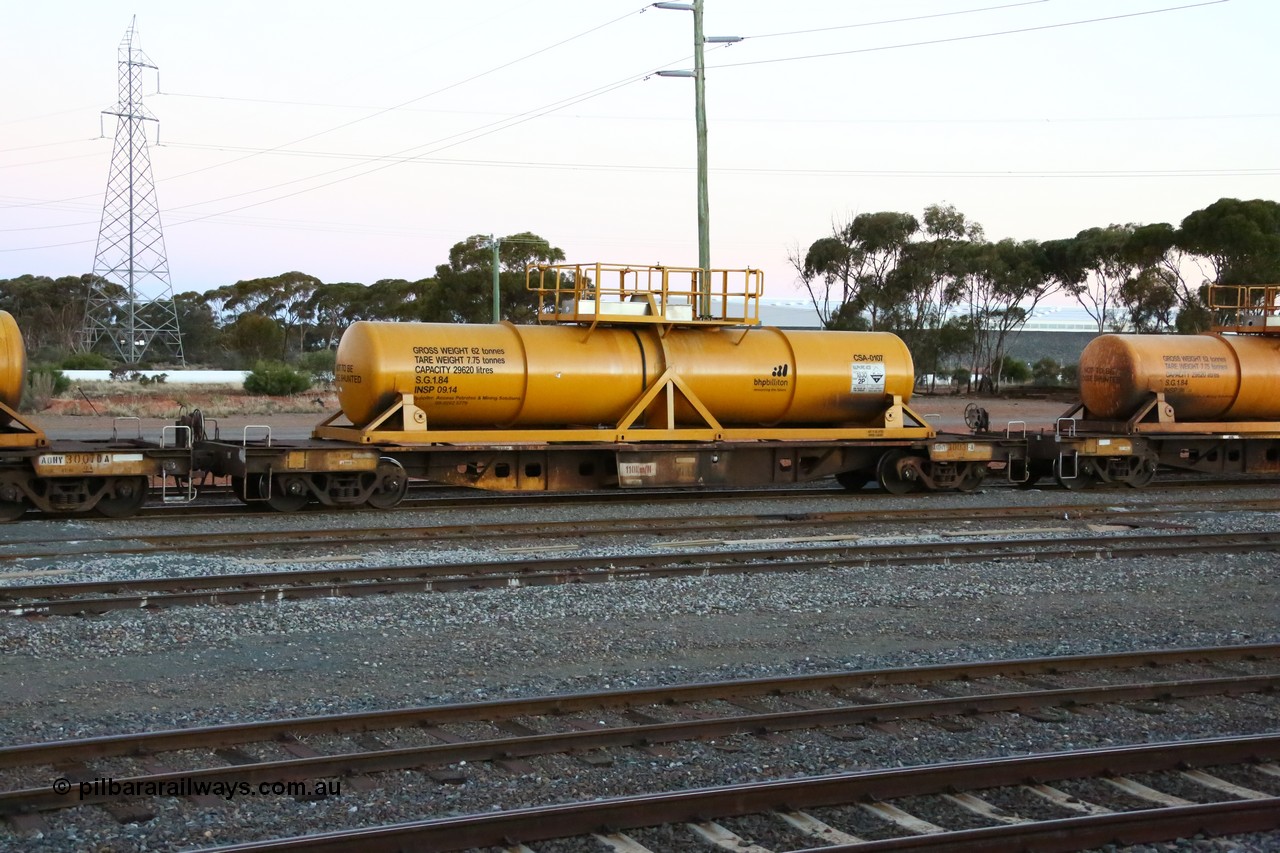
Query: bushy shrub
(1045,372)
(1014,370)
(320,364)
(44,382)
(273,379)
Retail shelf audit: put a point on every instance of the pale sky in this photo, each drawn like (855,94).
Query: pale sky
(357,145)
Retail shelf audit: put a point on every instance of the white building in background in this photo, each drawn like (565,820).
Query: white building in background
(798,313)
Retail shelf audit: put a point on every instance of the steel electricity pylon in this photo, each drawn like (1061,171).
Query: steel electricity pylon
(130,311)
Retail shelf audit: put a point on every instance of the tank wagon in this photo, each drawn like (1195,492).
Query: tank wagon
(111,476)
(1207,403)
(635,376)
(639,376)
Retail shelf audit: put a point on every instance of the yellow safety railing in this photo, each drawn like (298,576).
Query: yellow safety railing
(623,293)
(1246,308)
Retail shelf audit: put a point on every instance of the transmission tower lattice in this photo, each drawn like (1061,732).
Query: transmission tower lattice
(130,308)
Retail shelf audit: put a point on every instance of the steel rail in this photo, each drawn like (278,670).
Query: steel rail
(526,746)
(146,543)
(51,752)
(480,498)
(1233,817)
(676,495)
(505,829)
(259,587)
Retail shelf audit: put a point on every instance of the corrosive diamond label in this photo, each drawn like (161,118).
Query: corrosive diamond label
(867,378)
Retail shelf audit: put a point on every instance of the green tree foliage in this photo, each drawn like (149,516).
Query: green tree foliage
(1045,372)
(43,383)
(1000,285)
(1012,370)
(463,291)
(1241,239)
(201,338)
(1160,296)
(49,311)
(274,379)
(282,298)
(919,293)
(254,337)
(320,365)
(854,264)
(1093,267)
(1150,300)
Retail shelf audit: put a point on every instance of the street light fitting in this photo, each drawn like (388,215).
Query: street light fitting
(678,73)
(679,7)
(722,39)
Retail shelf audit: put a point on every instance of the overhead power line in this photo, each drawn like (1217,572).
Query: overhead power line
(894,20)
(971,37)
(376,113)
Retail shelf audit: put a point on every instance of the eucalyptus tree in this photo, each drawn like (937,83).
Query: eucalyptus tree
(1093,267)
(919,293)
(49,311)
(282,298)
(463,292)
(852,266)
(1158,297)
(1240,239)
(1001,285)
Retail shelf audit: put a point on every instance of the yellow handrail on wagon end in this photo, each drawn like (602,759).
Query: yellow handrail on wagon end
(626,293)
(1248,309)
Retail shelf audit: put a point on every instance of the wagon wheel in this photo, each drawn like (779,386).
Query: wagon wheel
(972,477)
(1036,469)
(126,497)
(893,478)
(1143,470)
(1083,478)
(391,486)
(238,486)
(12,510)
(286,494)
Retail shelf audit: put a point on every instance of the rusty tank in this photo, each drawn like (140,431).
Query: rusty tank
(504,375)
(1203,377)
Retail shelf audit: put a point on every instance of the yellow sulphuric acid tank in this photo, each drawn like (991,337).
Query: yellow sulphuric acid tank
(1204,377)
(504,375)
(13,363)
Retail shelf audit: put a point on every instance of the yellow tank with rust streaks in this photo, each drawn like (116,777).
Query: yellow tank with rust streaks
(1204,377)
(503,375)
(13,361)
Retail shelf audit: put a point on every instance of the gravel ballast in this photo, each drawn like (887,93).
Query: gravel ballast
(129,671)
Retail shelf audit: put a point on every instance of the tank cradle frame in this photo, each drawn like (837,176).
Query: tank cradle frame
(898,421)
(1158,417)
(19,432)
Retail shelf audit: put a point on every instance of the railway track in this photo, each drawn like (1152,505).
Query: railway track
(92,597)
(1144,513)
(430,497)
(448,743)
(806,814)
